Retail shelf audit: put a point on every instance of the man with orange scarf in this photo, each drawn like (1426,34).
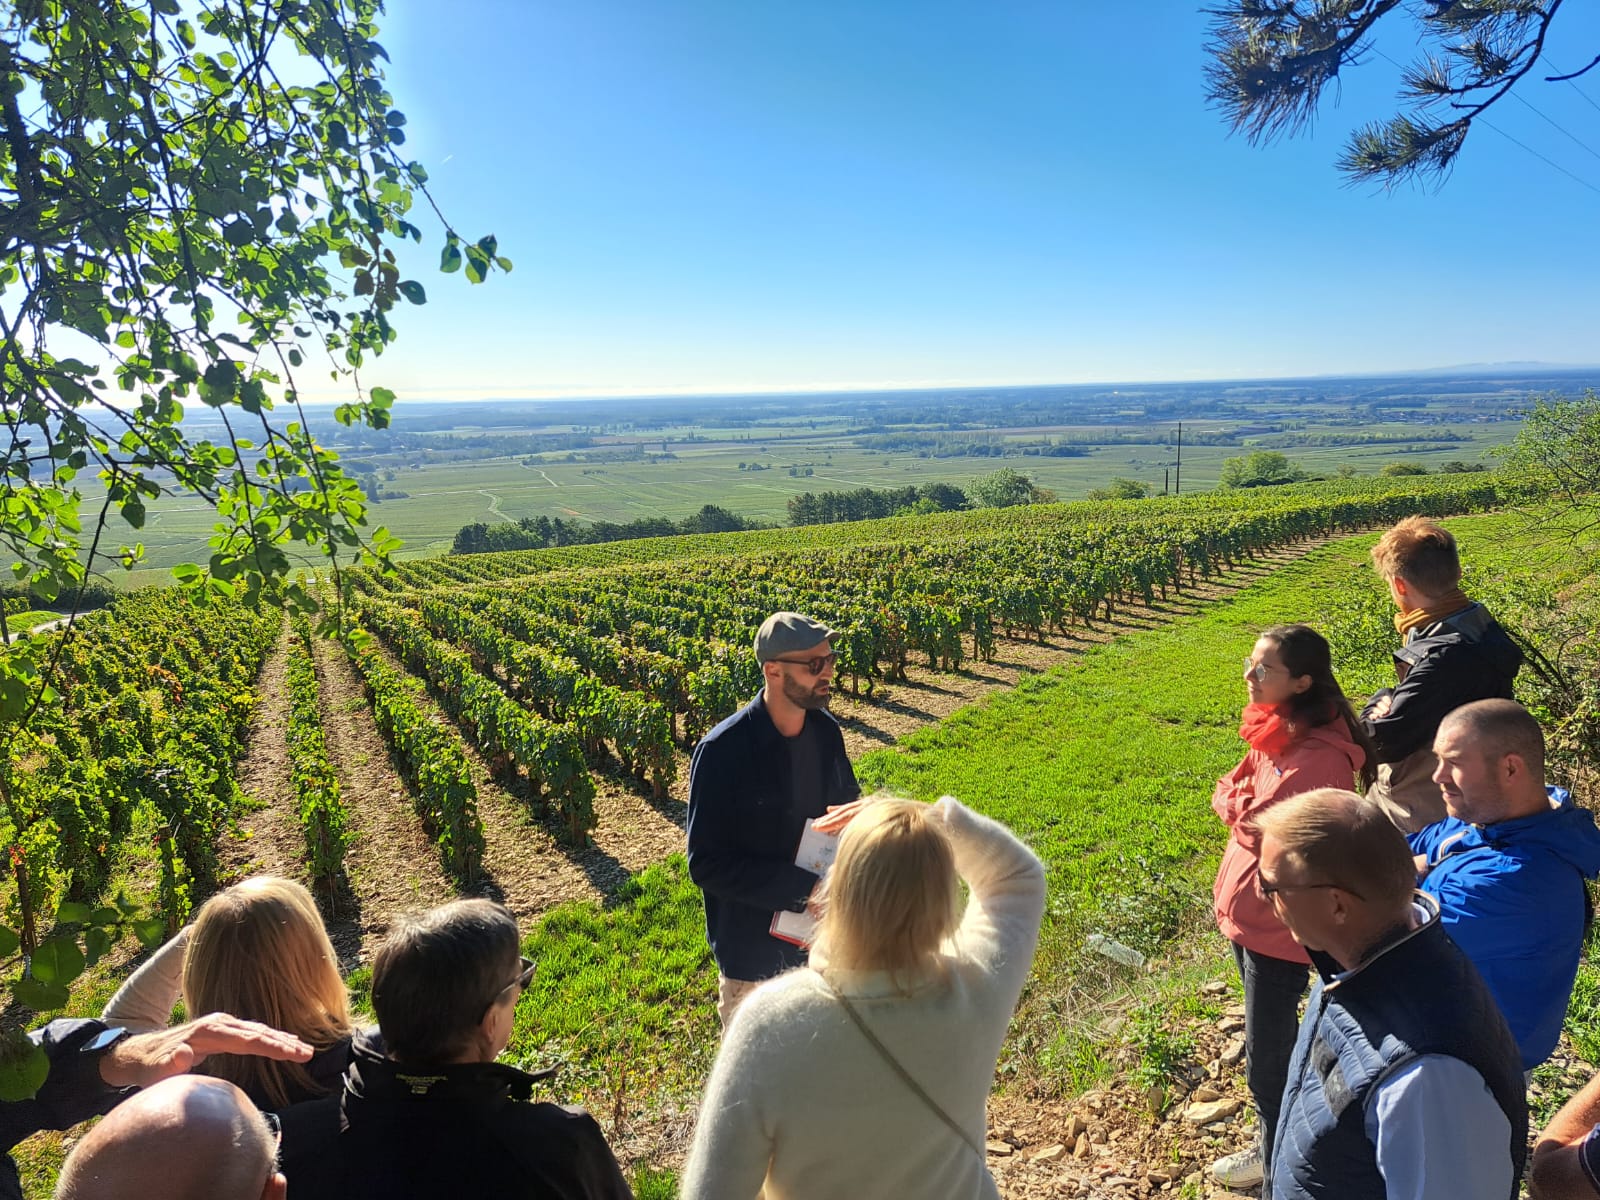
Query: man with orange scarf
(1452,653)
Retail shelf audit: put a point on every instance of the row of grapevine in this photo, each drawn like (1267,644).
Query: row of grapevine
(638,728)
(445,797)
(675,631)
(548,754)
(152,701)
(316,784)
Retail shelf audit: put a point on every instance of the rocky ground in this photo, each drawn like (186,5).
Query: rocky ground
(1176,1102)
(1135,1138)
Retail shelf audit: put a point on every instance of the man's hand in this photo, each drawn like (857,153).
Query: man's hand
(839,815)
(151,1057)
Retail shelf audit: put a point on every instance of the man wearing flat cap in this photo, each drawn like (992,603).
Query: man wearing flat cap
(754,782)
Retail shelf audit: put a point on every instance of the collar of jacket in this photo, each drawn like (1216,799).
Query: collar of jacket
(372,1076)
(761,726)
(1333,974)
(1470,622)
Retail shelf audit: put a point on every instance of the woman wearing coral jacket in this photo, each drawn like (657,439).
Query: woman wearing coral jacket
(1302,735)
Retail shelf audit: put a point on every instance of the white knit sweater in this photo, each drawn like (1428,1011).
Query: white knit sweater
(800,1104)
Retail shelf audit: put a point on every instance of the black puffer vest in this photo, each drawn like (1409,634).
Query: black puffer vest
(1418,995)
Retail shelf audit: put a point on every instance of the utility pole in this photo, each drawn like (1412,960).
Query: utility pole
(1178,482)
(1166,481)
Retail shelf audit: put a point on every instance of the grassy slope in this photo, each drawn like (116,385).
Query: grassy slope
(1105,767)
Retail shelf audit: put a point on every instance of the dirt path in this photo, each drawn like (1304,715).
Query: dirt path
(391,865)
(269,841)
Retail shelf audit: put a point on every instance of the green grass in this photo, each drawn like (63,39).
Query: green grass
(624,1000)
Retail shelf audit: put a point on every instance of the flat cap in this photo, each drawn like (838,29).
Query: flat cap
(788,632)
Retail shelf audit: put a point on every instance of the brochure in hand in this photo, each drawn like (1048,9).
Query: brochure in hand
(815,855)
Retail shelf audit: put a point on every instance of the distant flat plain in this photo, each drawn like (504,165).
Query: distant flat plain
(441,497)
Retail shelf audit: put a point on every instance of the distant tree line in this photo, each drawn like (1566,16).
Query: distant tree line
(998,489)
(540,533)
(868,504)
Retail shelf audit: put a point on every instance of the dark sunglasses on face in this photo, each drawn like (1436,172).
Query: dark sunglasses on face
(813,666)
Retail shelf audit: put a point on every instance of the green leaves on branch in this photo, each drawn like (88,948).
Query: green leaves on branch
(206,229)
(480,257)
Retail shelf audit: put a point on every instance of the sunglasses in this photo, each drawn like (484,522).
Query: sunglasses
(813,666)
(523,977)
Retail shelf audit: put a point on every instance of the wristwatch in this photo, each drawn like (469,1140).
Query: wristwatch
(105,1039)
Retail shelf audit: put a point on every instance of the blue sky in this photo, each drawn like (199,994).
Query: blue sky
(767,194)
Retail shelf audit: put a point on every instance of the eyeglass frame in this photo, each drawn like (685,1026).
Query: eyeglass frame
(814,665)
(524,976)
(1268,890)
(1258,671)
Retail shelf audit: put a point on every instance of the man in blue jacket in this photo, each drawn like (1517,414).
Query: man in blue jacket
(1508,866)
(754,781)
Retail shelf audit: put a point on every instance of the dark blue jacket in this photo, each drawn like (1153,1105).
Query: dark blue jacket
(72,1092)
(1418,995)
(744,830)
(1512,897)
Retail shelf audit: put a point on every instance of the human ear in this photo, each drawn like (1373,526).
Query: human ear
(277,1187)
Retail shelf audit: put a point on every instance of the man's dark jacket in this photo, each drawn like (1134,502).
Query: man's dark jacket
(72,1092)
(404,1133)
(1418,994)
(744,829)
(1461,659)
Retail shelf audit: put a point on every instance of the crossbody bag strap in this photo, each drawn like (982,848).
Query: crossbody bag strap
(894,1063)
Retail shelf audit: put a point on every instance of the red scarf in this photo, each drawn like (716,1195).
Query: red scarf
(1266,727)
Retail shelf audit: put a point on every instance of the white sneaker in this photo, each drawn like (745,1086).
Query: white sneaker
(1239,1170)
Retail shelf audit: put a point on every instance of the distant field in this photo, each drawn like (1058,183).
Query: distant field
(442,497)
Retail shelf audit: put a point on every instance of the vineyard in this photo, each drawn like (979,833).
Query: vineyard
(566,669)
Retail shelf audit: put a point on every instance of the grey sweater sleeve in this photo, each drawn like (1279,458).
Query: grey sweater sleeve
(146,998)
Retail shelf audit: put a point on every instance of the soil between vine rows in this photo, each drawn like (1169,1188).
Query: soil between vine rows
(392,867)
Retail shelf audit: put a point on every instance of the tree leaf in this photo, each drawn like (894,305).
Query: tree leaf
(413,291)
(10,943)
(73,913)
(40,996)
(57,960)
(151,932)
(95,943)
(23,1067)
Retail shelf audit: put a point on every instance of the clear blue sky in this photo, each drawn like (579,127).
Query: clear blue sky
(727,195)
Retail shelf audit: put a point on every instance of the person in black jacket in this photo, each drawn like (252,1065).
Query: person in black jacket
(754,781)
(1453,653)
(437,1115)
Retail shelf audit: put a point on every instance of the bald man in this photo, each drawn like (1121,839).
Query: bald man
(1508,866)
(187,1138)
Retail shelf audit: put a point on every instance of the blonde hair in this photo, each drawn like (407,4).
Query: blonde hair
(259,951)
(1422,552)
(1342,838)
(893,895)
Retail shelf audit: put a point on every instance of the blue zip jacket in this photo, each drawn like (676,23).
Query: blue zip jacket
(1512,896)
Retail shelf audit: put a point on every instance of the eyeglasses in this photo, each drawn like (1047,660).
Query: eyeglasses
(813,666)
(524,977)
(1257,671)
(1268,890)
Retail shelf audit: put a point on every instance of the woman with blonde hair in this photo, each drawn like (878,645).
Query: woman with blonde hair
(257,950)
(867,1072)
